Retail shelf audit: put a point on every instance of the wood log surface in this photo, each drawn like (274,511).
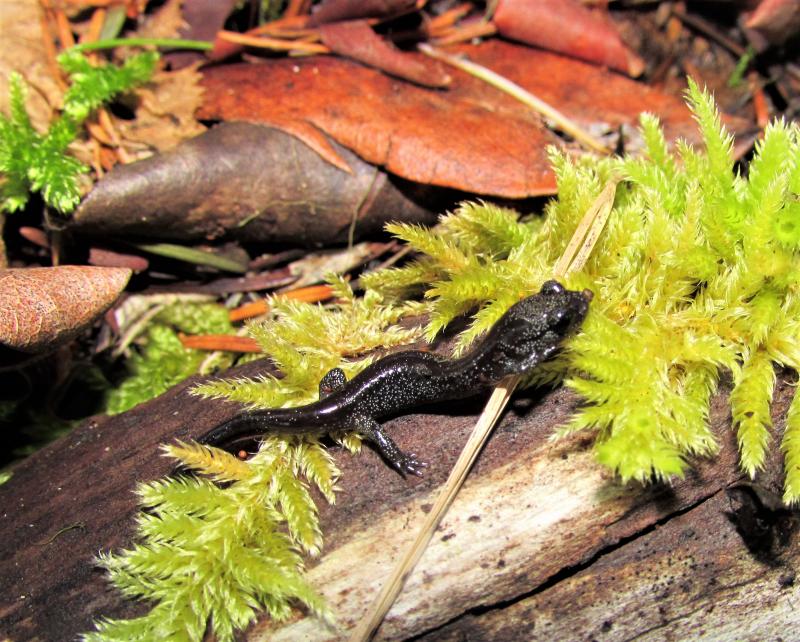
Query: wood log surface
(541,544)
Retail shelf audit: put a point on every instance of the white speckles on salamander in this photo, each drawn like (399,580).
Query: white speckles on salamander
(527,334)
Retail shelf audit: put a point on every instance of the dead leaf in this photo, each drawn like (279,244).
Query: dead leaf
(201,21)
(165,113)
(336,10)
(776,20)
(24,51)
(46,307)
(407,129)
(568,27)
(251,183)
(472,137)
(355,39)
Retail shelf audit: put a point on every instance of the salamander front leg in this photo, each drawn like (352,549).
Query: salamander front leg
(331,382)
(405,463)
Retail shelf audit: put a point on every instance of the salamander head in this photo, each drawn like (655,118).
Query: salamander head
(532,330)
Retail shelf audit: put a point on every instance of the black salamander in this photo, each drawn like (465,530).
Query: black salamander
(527,334)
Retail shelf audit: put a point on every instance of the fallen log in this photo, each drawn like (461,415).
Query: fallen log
(541,543)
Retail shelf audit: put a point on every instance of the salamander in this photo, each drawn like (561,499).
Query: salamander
(528,333)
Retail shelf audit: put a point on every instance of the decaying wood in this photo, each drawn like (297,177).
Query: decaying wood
(541,543)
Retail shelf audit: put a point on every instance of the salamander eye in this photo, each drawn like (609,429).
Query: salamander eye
(552,287)
(560,322)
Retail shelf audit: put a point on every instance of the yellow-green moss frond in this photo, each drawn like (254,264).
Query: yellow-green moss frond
(223,554)
(782,343)
(315,463)
(634,449)
(716,174)
(773,159)
(657,174)
(218,464)
(750,402)
(486,228)
(400,281)
(444,250)
(790,445)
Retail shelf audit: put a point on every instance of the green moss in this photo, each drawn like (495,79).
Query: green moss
(32,162)
(162,361)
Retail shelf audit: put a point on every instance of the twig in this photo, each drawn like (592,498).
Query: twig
(513,89)
(706,28)
(573,259)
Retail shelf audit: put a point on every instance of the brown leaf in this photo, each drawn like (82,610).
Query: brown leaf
(165,113)
(568,27)
(776,20)
(355,39)
(472,137)
(24,51)
(404,128)
(336,10)
(45,307)
(253,183)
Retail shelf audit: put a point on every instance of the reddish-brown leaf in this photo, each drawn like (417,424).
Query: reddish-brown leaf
(568,27)
(427,137)
(472,137)
(45,307)
(355,39)
(336,10)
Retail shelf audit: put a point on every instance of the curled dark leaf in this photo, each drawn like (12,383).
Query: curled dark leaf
(252,183)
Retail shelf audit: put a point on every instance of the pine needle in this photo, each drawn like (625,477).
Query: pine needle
(562,122)
(574,258)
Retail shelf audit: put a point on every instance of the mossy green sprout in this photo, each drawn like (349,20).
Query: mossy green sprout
(34,162)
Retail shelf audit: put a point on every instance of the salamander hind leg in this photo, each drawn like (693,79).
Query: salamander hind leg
(334,380)
(404,463)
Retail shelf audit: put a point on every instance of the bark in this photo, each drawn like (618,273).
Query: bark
(541,543)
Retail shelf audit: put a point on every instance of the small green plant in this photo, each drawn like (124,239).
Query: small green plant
(222,555)
(32,162)
(163,361)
